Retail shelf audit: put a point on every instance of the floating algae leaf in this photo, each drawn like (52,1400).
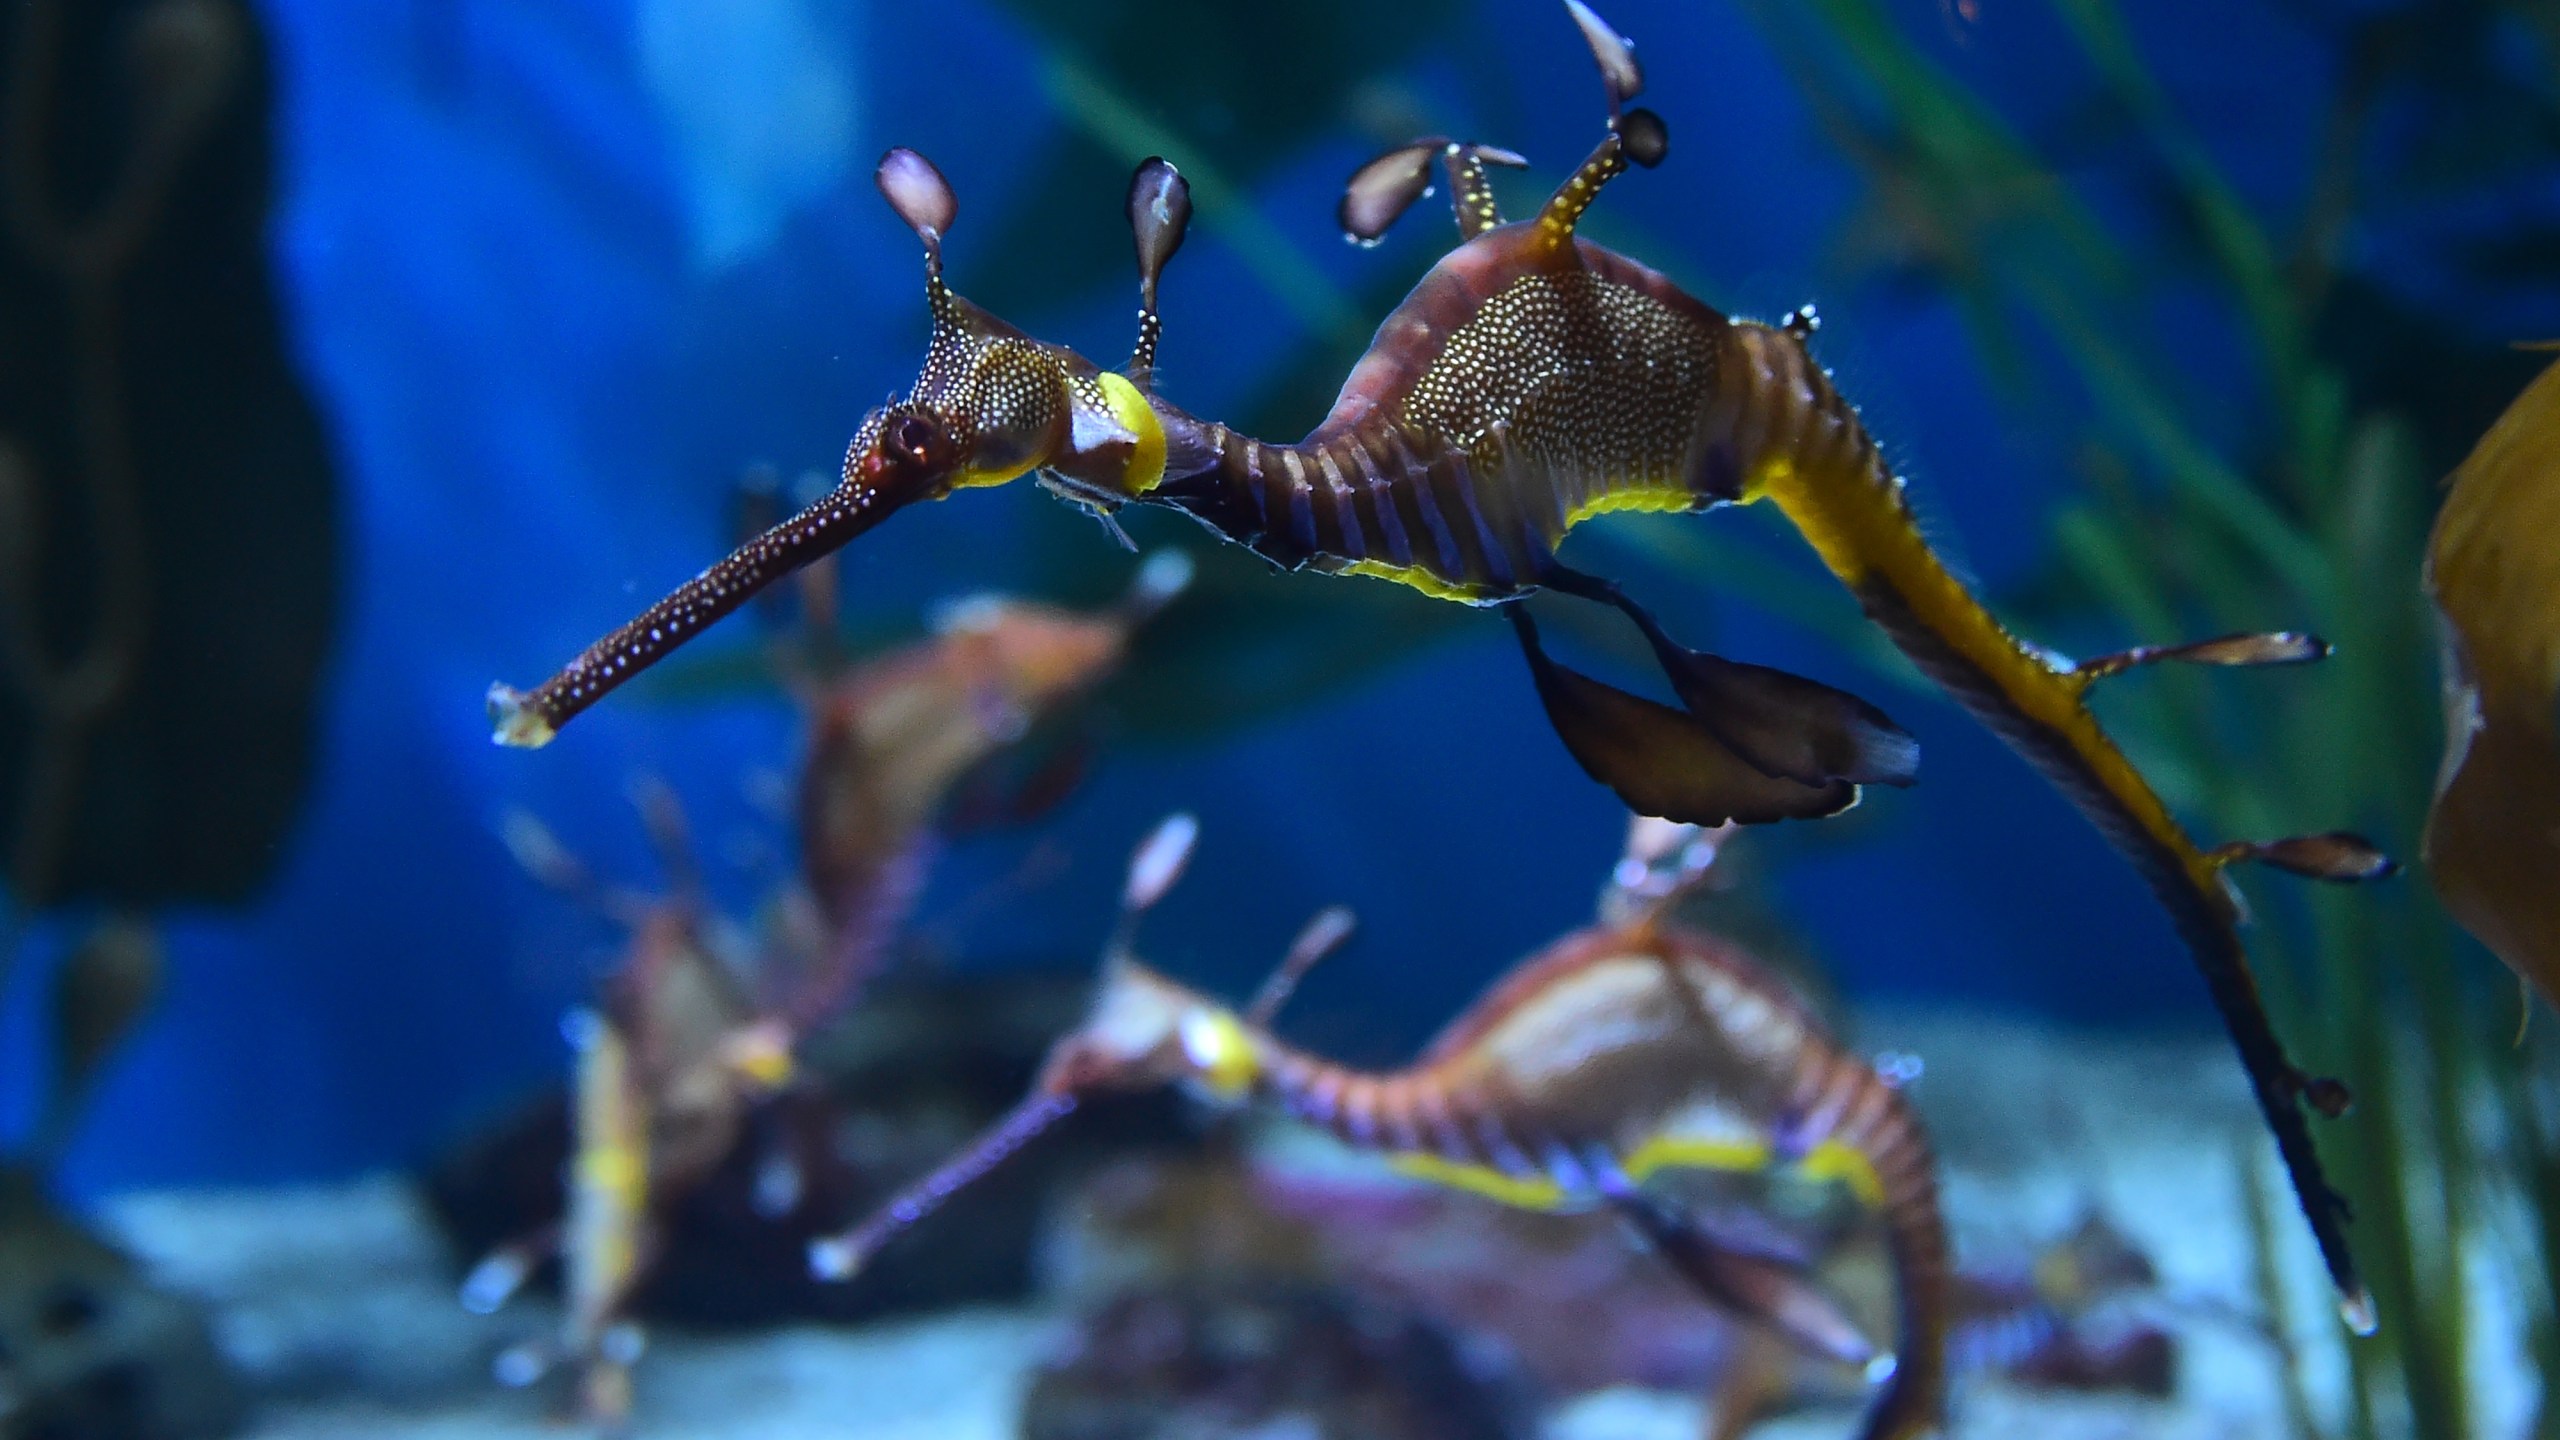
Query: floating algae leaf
(2493,837)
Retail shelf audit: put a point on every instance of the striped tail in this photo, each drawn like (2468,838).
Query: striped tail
(2203,916)
(1834,488)
(1454,1138)
(1877,1122)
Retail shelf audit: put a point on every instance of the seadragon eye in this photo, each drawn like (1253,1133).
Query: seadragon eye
(914,439)
(912,445)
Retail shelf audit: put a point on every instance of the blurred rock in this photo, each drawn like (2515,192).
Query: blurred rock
(1193,1364)
(1567,1297)
(90,1348)
(2139,1360)
(336,1303)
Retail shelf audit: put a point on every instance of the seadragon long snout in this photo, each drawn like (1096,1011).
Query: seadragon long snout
(530,718)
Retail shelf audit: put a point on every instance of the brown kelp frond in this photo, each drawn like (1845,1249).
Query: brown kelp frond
(2493,832)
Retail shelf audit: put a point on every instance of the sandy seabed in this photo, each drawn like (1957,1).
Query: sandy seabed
(338,1301)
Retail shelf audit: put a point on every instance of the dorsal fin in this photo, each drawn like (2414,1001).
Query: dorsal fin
(1664,862)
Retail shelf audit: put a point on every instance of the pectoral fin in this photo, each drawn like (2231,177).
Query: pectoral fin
(1781,724)
(1789,726)
(1661,761)
(1763,1289)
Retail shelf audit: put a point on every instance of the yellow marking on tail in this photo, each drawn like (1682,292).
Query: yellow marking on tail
(1521,1193)
(1860,528)
(1836,1162)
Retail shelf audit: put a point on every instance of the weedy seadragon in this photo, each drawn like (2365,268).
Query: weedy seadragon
(1531,381)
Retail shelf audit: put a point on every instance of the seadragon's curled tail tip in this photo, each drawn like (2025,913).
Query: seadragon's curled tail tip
(2356,1309)
(517,722)
(834,1259)
(1900,1414)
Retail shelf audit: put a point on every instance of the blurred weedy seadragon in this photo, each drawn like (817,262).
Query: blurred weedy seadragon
(1624,1049)
(1533,380)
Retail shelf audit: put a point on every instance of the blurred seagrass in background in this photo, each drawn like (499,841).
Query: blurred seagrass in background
(2262,421)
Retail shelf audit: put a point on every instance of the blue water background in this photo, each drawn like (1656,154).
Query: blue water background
(557,271)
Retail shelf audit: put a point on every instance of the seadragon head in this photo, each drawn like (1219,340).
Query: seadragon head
(1145,1031)
(990,405)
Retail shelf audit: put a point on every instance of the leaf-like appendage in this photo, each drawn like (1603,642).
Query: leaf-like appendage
(1159,862)
(2336,855)
(1159,215)
(1378,193)
(919,194)
(1644,136)
(1615,52)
